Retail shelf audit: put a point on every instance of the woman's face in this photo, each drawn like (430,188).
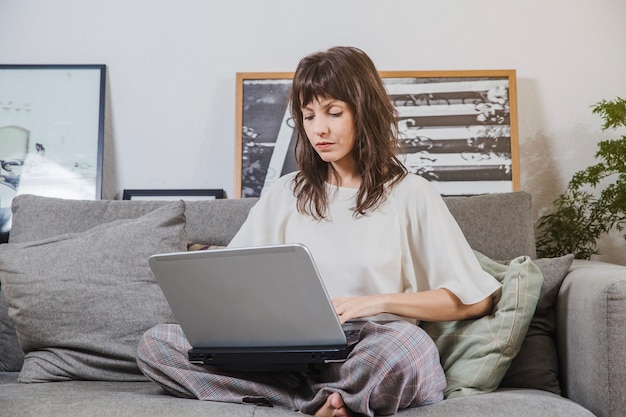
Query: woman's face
(329,126)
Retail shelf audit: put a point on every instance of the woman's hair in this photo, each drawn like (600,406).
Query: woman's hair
(349,75)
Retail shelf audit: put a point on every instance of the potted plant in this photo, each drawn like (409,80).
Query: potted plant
(595,200)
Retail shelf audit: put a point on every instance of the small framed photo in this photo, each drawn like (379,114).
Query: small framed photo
(170,195)
(458,129)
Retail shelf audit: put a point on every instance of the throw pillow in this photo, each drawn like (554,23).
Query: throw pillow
(80,302)
(476,354)
(536,365)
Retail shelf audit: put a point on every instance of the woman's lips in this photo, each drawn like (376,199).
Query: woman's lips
(323,145)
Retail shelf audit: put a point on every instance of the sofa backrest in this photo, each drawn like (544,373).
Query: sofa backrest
(212,222)
(497,225)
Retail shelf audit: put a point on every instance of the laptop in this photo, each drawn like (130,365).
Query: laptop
(260,308)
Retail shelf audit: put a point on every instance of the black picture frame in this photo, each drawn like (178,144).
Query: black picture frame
(458,129)
(170,195)
(51,132)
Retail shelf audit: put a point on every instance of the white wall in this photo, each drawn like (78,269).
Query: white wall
(172,70)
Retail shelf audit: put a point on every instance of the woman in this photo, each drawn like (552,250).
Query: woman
(384,242)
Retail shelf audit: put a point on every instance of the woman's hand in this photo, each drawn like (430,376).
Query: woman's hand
(349,308)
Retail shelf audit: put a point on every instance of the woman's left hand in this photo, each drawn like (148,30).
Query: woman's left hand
(349,308)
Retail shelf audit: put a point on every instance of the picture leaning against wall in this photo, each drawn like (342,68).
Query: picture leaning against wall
(51,133)
(458,129)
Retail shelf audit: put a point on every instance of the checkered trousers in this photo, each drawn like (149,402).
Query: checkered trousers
(394,366)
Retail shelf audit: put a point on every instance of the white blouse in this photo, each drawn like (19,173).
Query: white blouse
(410,243)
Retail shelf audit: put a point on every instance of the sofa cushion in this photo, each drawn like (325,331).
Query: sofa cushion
(492,232)
(215,222)
(208,222)
(80,302)
(146,399)
(500,226)
(537,364)
(37,217)
(476,354)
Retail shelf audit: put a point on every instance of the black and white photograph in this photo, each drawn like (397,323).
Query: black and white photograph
(51,132)
(458,129)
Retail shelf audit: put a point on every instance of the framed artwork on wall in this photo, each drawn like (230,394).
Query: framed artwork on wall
(51,132)
(458,129)
(168,195)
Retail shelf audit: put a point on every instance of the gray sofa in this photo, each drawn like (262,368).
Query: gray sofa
(589,313)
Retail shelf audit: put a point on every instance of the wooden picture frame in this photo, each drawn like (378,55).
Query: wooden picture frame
(458,129)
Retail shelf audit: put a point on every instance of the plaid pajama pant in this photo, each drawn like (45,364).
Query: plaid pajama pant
(395,365)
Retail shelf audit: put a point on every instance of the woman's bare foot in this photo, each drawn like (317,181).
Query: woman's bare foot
(334,407)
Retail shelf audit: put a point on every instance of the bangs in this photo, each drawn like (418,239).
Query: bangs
(320,82)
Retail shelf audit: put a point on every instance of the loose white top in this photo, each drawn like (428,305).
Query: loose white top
(410,243)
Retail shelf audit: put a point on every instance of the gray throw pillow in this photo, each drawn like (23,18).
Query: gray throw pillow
(80,302)
(536,365)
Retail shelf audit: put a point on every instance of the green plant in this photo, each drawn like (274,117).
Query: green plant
(595,200)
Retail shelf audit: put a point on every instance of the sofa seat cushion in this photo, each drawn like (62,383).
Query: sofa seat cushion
(81,301)
(105,398)
(503,402)
(139,399)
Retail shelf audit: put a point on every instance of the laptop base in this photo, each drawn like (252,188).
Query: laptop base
(268,360)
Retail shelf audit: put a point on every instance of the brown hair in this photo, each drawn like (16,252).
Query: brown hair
(349,75)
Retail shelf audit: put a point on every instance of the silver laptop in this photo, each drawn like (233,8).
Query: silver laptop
(257,308)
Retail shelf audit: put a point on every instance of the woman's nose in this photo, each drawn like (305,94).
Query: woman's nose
(320,126)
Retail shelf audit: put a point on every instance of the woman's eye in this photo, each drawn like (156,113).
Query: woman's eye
(336,114)
(308,117)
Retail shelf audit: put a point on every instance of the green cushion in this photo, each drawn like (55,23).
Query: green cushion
(80,302)
(476,354)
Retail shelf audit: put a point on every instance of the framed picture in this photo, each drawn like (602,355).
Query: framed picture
(187,195)
(457,129)
(51,132)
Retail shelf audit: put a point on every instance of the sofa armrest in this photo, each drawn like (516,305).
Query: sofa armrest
(591,336)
